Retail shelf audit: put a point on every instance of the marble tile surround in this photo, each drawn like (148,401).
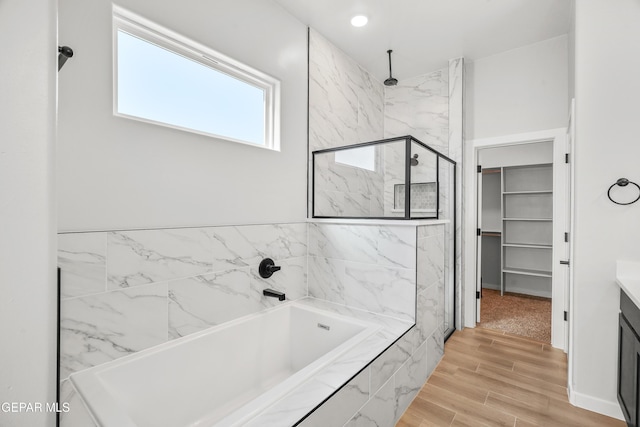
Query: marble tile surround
(345,107)
(368,267)
(398,374)
(124,291)
(152,313)
(419,106)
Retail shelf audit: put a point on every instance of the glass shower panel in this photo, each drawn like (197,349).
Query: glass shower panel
(352,182)
(446,197)
(424,182)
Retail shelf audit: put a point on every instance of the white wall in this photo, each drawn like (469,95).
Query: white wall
(27,209)
(518,91)
(516,155)
(607,110)
(116,173)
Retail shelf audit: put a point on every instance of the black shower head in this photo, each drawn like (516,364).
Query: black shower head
(414,160)
(390,81)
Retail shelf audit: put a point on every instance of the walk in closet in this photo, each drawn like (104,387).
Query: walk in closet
(517,211)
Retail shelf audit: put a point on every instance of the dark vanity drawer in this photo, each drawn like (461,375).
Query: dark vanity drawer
(630,311)
(629,359)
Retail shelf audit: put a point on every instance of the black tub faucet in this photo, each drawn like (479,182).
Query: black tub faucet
(273,294)
(267,268)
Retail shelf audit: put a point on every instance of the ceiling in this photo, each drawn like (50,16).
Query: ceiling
(424,34)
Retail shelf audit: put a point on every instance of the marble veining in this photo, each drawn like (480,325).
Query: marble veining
(99,328)
(435,349)
(128,290)
(383,368)
(427,320)
(418,106)
(387,291)
(341,407)
(149,256)
(431,260)
(200,302)
(345,107)
(326,279)
(383,290)
(243,246)
(410,378)
(379,411)
(383,245)
(82,261)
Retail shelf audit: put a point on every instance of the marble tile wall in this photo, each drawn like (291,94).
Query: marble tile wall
(380,394)
(345,108)
(432,285)
(456,138)
(124,291)
(419,106)
(369,267)
(345,190)
(376,268)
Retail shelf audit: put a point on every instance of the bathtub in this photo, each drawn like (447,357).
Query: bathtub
(222,376)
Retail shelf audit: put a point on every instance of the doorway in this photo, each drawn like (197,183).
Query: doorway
(515,210)
(520,220)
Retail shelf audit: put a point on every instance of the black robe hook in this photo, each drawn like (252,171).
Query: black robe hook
(64,53)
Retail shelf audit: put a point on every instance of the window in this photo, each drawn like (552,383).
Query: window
(360,157)
(164,78)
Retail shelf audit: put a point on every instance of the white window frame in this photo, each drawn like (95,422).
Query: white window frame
(137,26)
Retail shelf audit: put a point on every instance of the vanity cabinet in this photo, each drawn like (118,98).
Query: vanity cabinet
(628,359)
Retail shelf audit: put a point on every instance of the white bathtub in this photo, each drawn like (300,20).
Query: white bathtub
(222,376)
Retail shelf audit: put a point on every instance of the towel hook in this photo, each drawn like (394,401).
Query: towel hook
(623,182)
(64,53)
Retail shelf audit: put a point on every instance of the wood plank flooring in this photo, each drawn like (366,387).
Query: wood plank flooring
(489,378)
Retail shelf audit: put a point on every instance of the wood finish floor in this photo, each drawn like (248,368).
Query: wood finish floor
(489,378)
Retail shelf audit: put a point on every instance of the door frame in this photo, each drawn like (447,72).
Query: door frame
(558,137)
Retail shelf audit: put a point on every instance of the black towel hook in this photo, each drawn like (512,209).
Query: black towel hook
(64,53)
(623,182)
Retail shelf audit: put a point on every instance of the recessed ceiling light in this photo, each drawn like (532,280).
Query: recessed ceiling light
(359,21)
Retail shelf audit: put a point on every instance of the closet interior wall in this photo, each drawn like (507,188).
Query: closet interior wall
(517,183)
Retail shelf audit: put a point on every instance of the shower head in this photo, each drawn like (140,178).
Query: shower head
(390,81)
(414,160)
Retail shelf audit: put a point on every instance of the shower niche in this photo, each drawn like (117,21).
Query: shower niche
(370,180)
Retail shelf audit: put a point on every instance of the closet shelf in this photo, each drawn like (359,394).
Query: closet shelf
(528,192)
(490,233)
(527,272)
(527,245)
(527,219)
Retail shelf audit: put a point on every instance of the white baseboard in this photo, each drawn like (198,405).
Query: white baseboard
(595,404)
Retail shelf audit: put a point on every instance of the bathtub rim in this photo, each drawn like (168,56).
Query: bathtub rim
(95,390)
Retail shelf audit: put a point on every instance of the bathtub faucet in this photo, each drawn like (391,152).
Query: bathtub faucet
(274,294)
(267,268)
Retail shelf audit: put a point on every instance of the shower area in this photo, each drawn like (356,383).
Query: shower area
(389,153)
(394,179)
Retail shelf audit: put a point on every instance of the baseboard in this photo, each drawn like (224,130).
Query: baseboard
(532,292)
(595,404)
